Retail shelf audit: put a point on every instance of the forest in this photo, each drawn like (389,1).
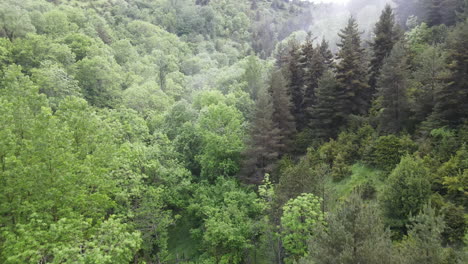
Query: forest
(234,131)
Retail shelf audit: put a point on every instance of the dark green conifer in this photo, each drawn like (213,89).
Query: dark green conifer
(392,96)
(385,37)
(295,80)
(324,120)
(282,106)
(351,72)
(264,145)
(452,100)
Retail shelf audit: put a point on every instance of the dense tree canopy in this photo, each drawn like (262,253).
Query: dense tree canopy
(233,131)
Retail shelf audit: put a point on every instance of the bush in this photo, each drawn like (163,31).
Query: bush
(386,151)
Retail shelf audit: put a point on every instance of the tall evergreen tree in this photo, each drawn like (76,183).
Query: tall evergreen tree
(282,106)
(313,64)
(324,121)
(392,91)
(265,140)
(385,37)
(351,72)
(452,100)
(295,80)
(434,13)
(327,55)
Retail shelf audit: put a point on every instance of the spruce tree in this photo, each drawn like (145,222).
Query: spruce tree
(324,121)
(327,55)
(307,64)
(282,106)
(385,37)
(434,13)
(452,100)
(313,64)
(392,98)
(351,72)
(295,80)
(264,145)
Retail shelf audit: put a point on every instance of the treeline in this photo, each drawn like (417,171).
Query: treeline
(208,132)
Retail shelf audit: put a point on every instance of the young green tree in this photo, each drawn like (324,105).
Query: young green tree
(354,233)
(254,76)
(301,216)
(229,220)
(222,141)
(423,243)
(407,190)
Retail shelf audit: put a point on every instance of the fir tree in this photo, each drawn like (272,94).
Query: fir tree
(313,64)
(434,15)
(282,110)
(392,91)
(452,100)
(385,37)
(327,55)
(351,72)
(263,151)
(295,80)
(324,121)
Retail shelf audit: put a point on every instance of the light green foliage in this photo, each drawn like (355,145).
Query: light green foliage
(55,82)
(14,21)
(222,141)
(123,130)
(65,241)
(100,80)
(386,151)
(407,190)
(55,180)
(300,216)
(146,99)
(230,219)
(454,175)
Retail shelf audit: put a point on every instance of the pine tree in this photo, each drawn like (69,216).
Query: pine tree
(434,15)
(324,121)
(385,37)
(282,106)
(452,100)
(351,72)
(264,147)
(392,91)
(295,80)
(313,64)
(423,243)
(327,55)
(355,233)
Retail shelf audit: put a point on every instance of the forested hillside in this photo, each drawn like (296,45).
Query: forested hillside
(234,131)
